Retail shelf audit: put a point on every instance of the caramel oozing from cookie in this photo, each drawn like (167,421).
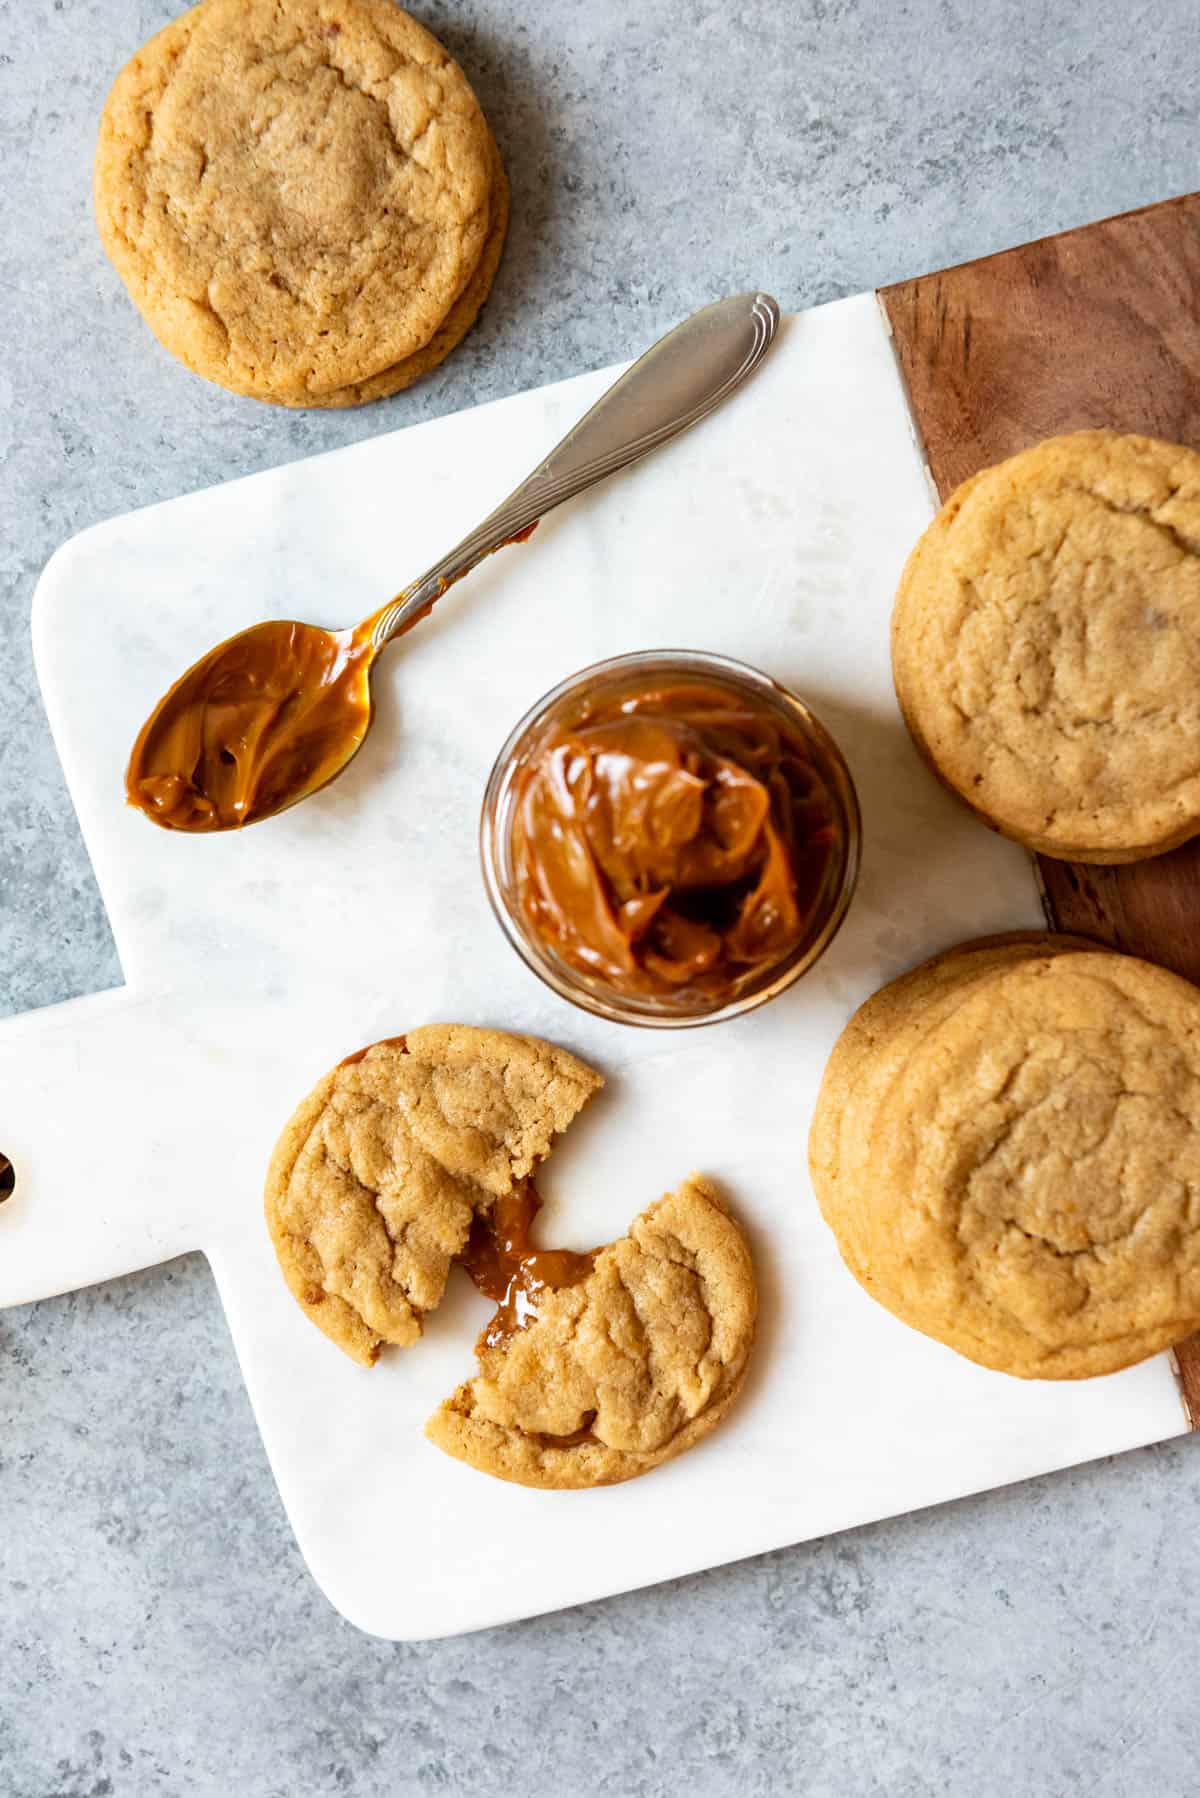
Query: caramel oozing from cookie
(626,1367)
(375,1181)
(503,1263)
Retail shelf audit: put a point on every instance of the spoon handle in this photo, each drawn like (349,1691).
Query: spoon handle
(677,382)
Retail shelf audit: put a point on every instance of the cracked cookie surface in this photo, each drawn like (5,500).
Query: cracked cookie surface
(375,1180)
(1046,645)
(1007,1147)
(298,193)
(622,1371)
(450,332)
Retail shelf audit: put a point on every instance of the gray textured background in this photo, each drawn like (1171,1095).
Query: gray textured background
(158,1632)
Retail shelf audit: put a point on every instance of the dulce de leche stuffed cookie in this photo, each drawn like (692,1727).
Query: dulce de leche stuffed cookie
(632,1360)
(1046,646)
(302,197)
(419,1152)
(1006,1145)
(376,1179)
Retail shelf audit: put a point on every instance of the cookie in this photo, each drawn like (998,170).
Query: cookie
(374,1183)
(623,1370)
(1046,646)
(874,1044)
(1006,1146)
(302,196)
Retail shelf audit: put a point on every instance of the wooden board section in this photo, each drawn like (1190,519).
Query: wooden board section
(1098,326)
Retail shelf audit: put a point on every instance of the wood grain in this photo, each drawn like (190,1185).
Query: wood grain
(1094,327)
(1097,326)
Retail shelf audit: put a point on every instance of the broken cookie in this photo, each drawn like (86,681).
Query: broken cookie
(598,1368)
(374,1183)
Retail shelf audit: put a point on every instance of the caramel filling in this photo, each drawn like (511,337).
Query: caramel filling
(258,723)
(503,1263)
(263,720)
(675,838)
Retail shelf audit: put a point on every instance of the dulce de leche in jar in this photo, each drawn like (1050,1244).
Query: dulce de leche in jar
(670,838)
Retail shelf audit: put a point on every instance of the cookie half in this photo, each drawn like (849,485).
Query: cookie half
(1046,646)
(374,1183)
(1006,1146)
(298,194)
(622,1371)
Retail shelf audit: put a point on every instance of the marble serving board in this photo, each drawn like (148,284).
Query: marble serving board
(140,1121)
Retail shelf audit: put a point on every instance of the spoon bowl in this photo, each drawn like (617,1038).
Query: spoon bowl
(260,722)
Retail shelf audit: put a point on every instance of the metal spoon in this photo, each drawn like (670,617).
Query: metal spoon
(278,711)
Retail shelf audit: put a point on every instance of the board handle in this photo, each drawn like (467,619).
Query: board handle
(90,1094)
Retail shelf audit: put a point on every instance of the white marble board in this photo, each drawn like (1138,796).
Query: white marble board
(140,1121)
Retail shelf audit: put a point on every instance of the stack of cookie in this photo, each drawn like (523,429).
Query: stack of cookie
(1007,1147)
(303,197)
(1006,1143)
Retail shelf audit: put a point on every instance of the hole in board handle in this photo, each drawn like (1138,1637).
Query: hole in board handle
(8,1178)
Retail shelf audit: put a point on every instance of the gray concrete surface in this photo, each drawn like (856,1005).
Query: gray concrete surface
(158,1632)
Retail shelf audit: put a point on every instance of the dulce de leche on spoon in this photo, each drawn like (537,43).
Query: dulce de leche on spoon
(278,711)
(253,726)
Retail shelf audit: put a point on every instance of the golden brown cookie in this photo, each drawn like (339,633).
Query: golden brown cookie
(871,1048)
(1046,646)
(622,1371)
(1007,1147)
(299,194)
(373,1185)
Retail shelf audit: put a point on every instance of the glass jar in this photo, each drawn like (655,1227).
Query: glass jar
(616,683)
